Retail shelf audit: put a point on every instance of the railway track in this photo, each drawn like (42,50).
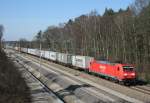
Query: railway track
(39,92)
(141,89)
(78,73)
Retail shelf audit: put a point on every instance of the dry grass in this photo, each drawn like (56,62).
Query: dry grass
(13,88)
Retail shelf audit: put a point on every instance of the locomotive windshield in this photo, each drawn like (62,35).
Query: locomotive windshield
(128,68)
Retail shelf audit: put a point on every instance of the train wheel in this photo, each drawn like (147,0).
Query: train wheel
(122,82)
(134,82)
(116,81)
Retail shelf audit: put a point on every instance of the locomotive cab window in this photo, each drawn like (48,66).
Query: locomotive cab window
(128,68)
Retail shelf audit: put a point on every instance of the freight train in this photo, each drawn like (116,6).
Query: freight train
(122,73)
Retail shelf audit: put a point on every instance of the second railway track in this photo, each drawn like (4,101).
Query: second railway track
(141,89)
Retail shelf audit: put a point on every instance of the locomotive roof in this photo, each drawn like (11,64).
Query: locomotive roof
(105,62)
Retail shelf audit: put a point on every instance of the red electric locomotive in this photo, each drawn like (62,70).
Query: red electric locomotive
(120,72)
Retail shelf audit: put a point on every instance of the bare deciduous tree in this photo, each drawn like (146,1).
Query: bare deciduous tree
(1,34)
(120,36)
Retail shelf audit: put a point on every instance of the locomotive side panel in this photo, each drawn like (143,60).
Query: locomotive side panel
(103,69)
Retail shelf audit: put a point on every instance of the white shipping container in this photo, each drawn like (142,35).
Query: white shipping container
(66,58)
(37,52)
(47,55)
(25,50)
(17,48)
(53,55)
(82,61)
(59,57)
(42,53)
(29,50)
(32,51)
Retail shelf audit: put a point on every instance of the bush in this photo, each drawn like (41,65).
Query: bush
(13,88)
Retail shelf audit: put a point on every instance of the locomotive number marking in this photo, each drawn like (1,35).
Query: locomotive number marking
(102,67)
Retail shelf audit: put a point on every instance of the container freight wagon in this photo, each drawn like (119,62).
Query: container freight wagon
(82,61)
(64,58)
(120,72)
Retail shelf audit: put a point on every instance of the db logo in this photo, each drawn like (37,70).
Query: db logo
(102,67)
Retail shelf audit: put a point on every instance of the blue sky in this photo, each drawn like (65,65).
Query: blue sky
(24,18)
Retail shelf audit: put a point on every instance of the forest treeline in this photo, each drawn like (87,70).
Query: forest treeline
(116,36)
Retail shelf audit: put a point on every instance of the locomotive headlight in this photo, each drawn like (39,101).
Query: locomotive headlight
(133,74)
(125,74)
